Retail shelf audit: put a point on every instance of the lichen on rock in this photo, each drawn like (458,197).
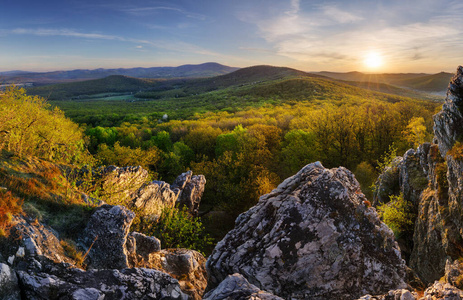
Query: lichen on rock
(313,237)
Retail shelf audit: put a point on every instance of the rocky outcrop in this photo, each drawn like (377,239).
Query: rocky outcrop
(30,238)
(192,189)
(388,182)
(154,196)
(105,237)
(400,294)
(120,183)
(448,123)
(59,281)
(314,237)
(187,266)
(449,287)
(237,287)
(139,248)
(430,178)
(9,287)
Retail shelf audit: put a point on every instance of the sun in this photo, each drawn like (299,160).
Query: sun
(373,60)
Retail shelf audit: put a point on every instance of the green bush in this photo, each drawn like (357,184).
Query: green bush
(176,229)
(397,214)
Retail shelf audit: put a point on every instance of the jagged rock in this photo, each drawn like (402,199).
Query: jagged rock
(59,281)
(187,266)
(400,294)
(9,288)
(192,189)
(444,291)
(454,273)
(388,183)
(31,239)
(154,196)
(448,123)
(106,234)
(412,177)
(139,248)
(237,287)
(314,237)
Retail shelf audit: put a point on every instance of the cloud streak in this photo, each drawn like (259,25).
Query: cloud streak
(332,33)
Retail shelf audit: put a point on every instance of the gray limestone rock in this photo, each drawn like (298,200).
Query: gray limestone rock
(237,287)
(185,265)
(192,189)
(154,196)
(448,123)
(61,282)
(313,237)
(9,287)
(106,234)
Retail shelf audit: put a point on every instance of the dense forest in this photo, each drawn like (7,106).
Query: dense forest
(244,138)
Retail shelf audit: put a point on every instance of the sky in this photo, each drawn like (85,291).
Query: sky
(309,35)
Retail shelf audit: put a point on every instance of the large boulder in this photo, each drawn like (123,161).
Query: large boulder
(448,123)
(105,237)
(314,237)
(237,287)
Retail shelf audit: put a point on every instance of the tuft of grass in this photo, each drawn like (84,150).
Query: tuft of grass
(9,206)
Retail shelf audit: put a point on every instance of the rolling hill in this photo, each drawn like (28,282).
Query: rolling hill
(435,83)
(429,83)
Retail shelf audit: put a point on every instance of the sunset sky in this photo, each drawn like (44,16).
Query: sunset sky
(310,35)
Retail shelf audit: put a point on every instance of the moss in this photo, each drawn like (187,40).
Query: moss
(442,182)
(457,151)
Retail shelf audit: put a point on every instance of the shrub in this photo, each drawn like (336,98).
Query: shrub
(397,214)
(457,151)
(9,206)
(176,229)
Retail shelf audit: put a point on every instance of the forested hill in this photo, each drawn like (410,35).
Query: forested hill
(188,71)
(261,81)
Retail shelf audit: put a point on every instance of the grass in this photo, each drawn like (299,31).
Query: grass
(44,192)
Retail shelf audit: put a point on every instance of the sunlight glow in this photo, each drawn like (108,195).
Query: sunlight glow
(373,60)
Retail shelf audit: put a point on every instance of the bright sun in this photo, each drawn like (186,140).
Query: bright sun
(373,60)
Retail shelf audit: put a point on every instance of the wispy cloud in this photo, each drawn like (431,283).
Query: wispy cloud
(147,10)
(330,33)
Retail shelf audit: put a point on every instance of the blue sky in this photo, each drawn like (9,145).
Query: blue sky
(310,35)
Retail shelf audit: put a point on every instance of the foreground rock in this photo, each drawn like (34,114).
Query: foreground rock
(29,239)
(313,237)
(9,287)
(237,287)
(105,237)
(59,281)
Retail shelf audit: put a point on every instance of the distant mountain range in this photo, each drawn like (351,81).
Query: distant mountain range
(185,71)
